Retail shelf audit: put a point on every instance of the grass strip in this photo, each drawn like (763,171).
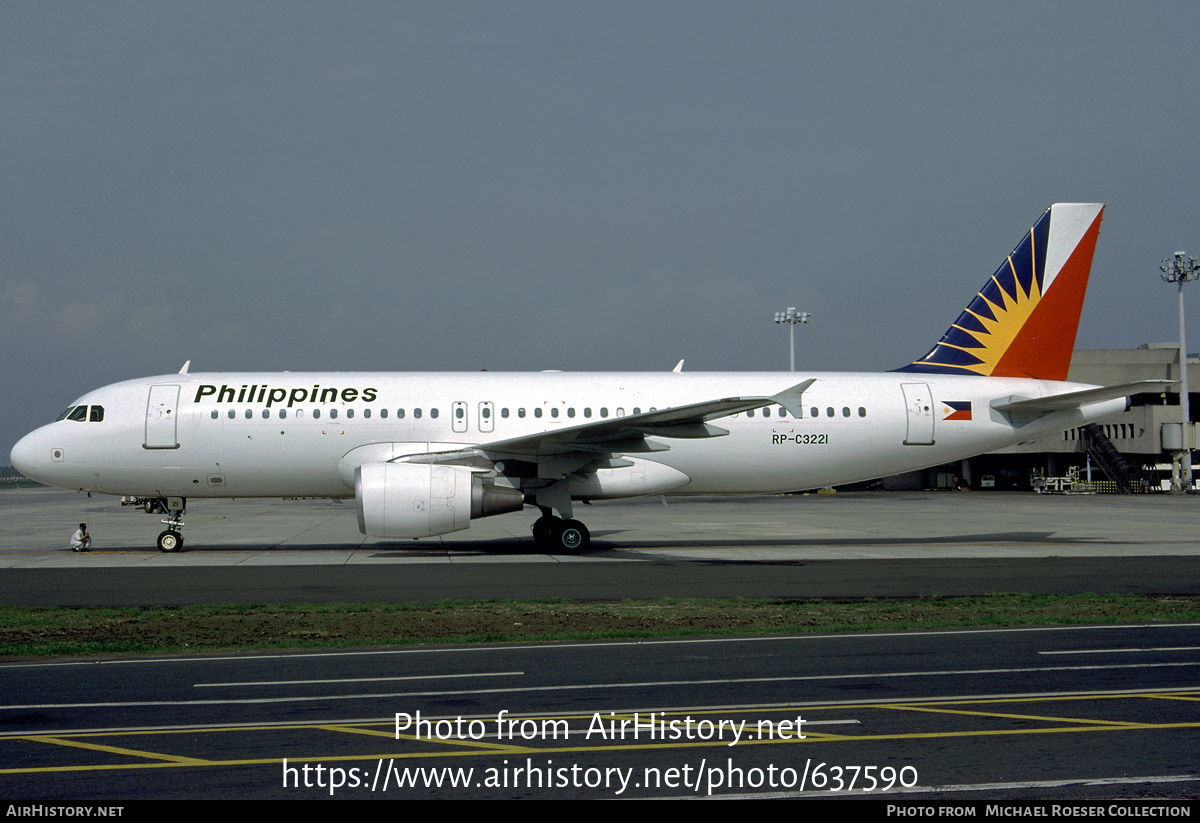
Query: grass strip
(87,631)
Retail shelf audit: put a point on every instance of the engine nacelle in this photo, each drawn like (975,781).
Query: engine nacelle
(422,499)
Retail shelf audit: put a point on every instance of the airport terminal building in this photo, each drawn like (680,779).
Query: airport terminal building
(1148,436)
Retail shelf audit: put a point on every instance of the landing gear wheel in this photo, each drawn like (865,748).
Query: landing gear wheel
(570,536)
(170,541)
(543,527)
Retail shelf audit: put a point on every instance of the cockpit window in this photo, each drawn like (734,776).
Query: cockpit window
(79,413)
(66,411)
(97,414)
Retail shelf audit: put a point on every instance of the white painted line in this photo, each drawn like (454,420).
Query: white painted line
(608,686)
(354,680)
(605,644)
(1122,651)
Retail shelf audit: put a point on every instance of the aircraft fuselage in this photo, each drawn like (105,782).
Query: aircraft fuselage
(290,434)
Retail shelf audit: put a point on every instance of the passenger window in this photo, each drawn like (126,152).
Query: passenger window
(400,413)
(504,413)
(845,411)
(433,412)
(537,412)
(213,415)
(862,412)
(829,411)
(266,414)
(814,412)
(416,412)
(571,412)
(349,412)
(637,410)
(333,414)
(316,414)
(366,413)
(554,411)
(604,411)
(282,414)
(750,412)
(97,414)
(460,413)
(383,412)
(232,414)
(485,413)
(587,412)
(249,413)
(520,412)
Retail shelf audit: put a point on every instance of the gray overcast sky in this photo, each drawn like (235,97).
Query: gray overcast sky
(579,186)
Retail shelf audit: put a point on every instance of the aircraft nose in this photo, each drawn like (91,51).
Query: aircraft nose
(24,455)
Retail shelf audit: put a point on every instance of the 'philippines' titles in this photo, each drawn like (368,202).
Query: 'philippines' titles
(263,393)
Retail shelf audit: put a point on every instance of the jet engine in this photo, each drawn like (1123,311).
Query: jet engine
(422,499)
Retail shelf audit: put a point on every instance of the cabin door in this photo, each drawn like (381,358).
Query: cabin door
(162,409)
(918,399)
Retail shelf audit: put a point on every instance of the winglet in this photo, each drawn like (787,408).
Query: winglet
(185,367)
(678,367)
(793,399)
(1022,323)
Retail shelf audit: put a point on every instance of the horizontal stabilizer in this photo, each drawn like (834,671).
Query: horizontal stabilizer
(1075,399)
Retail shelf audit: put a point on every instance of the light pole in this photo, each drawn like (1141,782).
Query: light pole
(792,317)
(1180,269)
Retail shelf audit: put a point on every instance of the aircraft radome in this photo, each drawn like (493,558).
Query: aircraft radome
(423,454)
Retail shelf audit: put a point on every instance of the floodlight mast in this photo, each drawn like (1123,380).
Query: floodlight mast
(1180,269)
(792,317)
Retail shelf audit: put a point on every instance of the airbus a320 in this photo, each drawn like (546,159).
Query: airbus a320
(423,454)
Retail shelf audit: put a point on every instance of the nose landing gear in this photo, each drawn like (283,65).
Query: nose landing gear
(170,540)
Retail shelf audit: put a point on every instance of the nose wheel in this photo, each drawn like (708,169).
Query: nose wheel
(171,540)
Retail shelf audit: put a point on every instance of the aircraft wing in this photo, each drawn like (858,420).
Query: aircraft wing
(628,434)
(622,434)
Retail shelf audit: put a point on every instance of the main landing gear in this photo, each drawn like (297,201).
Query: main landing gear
(557,535)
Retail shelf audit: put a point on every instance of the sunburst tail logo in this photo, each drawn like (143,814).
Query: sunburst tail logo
(1022,323)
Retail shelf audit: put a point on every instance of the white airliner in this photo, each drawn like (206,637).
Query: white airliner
(423,453)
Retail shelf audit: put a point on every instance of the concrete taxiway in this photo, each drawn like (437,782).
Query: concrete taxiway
(1062,712)
(37,523)
(836,545)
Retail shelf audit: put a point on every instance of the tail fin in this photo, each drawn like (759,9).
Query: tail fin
(1022,323)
